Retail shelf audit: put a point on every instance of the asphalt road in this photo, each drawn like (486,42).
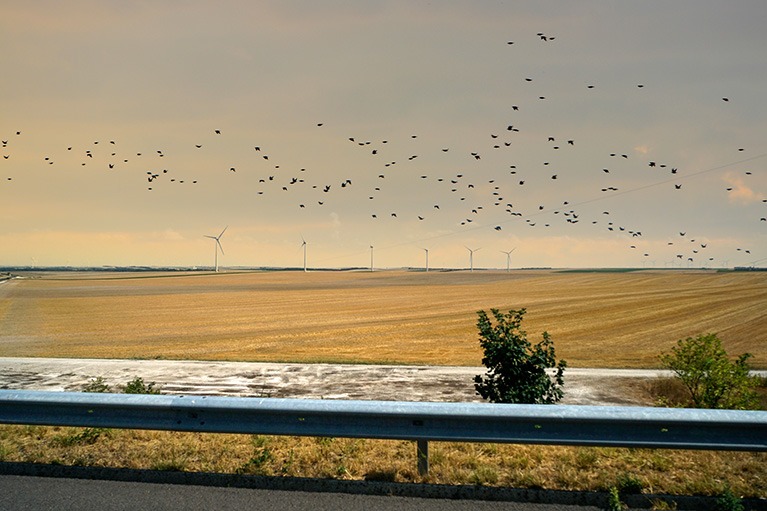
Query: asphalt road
(26,493)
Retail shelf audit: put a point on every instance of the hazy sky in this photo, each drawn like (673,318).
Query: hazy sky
(451,126)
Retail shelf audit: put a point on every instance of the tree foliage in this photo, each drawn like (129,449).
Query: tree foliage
(516,369)
(710,377)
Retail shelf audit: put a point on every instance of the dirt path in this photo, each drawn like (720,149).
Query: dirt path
(320,381)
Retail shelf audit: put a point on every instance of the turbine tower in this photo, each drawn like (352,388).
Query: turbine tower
(508,258)
(303,245)
(217,246)
(471,258)
(371,257)
(427,258)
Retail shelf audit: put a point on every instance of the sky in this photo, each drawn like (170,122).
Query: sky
(575,134)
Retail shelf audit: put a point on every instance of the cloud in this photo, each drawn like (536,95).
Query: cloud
(643,149)
(739,191)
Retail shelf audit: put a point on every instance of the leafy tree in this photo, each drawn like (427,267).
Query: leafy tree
(516,369)
(710,377)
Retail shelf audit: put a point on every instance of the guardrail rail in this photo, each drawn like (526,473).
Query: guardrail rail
(606,426)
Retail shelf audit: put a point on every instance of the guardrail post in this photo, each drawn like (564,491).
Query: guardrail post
(423,457)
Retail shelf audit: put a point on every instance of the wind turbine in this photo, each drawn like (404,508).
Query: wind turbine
(427,258)
(471,258)
(371,257)
(303,244)
(217,245)
(508,257)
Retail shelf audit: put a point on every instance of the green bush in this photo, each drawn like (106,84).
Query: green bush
(137,386)
(516,369)
(629,484)
(728,501)
(711,379)
(97,385)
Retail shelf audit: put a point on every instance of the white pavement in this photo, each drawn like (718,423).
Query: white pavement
(318,381)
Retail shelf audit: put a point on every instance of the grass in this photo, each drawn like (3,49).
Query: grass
(520,466)
(595,319)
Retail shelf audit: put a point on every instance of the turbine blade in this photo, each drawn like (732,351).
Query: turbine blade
(219,246)
(222,232)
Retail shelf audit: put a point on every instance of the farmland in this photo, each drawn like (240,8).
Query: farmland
(596,319)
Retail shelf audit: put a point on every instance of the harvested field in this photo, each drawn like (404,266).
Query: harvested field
(596,319)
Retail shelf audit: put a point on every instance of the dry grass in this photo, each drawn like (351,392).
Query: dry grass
(520,466)
(595,319)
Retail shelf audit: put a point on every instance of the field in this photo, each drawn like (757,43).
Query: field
(596,319)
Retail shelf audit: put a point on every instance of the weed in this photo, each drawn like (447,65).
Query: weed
(483,475)
(389,476)
(86,436)
(628,484)
(173,465)
(259,441)
(663,505)
(324,441)
(586,457)
(727,501)
(256,464)
(614,500)
(659,462)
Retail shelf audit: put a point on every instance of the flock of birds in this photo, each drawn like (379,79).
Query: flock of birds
(476,197)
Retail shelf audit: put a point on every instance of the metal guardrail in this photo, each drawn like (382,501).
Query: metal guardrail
(732,430)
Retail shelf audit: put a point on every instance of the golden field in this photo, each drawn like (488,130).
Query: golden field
(596,319)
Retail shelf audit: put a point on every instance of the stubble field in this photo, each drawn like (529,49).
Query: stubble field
(596,319)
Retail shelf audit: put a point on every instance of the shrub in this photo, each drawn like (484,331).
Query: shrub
(137,386)
(516,369)
(97,385)
(711,379)
(728,501)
